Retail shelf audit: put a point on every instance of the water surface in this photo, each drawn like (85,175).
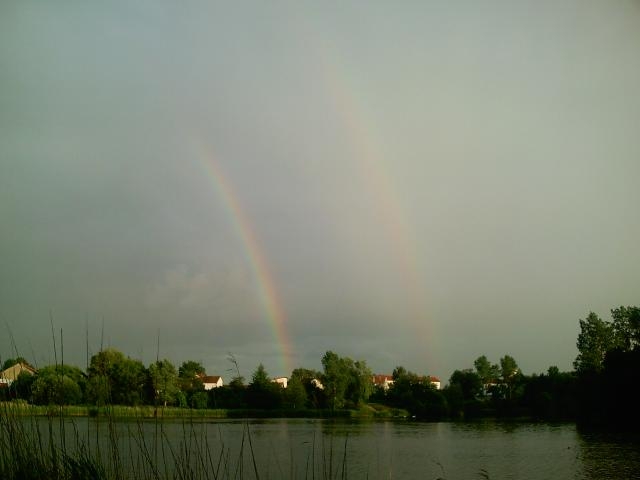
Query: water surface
(314,448)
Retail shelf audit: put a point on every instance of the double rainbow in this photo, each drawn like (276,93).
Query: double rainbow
(256,259)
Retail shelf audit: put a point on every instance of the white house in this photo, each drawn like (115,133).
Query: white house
(383,381)
(8,376)
(282,381)
(212,381)
(435,381)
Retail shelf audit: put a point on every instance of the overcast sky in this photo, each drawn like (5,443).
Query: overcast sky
(424,182)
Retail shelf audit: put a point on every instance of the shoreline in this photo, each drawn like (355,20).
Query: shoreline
(151,412)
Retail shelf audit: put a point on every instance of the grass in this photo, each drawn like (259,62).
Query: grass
(46,442)
(21,408)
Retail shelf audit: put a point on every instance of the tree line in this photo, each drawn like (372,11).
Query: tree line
(597,391)
(112,378)
(608,369)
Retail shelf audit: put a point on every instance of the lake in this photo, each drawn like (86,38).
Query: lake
(321,448)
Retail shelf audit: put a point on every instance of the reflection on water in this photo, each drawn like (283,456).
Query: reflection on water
(606,455)
(308,448)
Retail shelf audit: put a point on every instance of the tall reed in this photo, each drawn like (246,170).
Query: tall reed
(33,446)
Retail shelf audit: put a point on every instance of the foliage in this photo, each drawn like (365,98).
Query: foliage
(551,396)
(508,368)
(10,362)
(114,378)
(22,385)
(335,378)
(626,327)
(595,339)
(417,395)
(487,371)
(58,385)
(199,400)
(164,380)
(295,394)
(360,385)
(262,393)
(189,375)
(232,395)
(345,381)
(309,379)
(98,390)
(509,373)
(608,362)
(469,383)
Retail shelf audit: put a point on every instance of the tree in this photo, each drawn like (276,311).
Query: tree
(626,327)
(98,390)
(10,362)
(22,386)
(262,392)
(164,380)
(58,385)
(416,394)
(189,374)
(469,383)
(399,373)
(128,378)
(400,393)
(487,371)
(100,375)
(233,395)
(199,400)
(509,372)
(345,380)
(360,384)
(309,379)
(114,378)
(335,378)
(190,368)
(508,368)
(594,341)
(260,378)
(237,382)
(296,394)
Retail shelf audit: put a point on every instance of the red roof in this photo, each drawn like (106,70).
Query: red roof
(381,379)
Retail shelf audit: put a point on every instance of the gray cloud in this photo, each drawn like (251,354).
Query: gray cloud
(504,137)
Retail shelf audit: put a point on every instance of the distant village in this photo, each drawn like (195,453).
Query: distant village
(383,381)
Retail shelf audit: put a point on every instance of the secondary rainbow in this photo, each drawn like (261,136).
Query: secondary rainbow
(375,169)
(256,258)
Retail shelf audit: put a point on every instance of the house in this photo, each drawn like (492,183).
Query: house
(382,381)
(282,381)
(317,383)
(211,381)
(8,376)
(435,381)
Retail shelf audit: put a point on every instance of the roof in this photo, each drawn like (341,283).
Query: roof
(14,371)
(380,379)
(428,378)
(210,379)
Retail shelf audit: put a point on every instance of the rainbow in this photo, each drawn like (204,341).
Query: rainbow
(256,258)
(375,169)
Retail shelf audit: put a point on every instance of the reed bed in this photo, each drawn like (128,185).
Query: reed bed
(47,442)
